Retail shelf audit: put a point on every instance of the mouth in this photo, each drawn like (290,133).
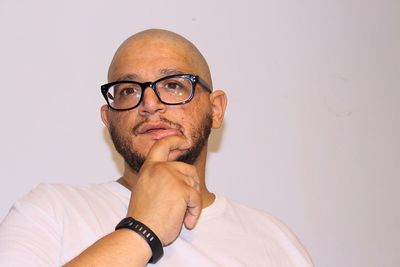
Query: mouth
(157,130)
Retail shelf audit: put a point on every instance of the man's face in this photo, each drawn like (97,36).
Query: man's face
(135,131)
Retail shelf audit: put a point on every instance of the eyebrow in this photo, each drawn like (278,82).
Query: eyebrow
(127,77)
(170,71)
(134,77)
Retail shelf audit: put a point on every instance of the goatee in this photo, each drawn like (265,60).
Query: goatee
(135,160)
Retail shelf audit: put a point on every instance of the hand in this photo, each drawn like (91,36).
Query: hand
(167,194)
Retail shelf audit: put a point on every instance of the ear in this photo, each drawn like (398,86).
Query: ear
(218,104)
(104,112)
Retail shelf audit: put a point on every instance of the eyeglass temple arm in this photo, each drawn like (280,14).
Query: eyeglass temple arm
(204,84)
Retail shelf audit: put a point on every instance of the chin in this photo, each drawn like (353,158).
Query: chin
(142,147)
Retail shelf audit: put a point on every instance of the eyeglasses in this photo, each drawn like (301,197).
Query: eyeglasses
(174,89)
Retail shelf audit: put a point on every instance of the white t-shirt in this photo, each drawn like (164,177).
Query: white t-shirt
(54,223)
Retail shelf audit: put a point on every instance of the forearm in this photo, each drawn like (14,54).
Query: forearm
(165,197)
(120,248)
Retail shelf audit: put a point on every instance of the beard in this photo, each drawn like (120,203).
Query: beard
(124,147)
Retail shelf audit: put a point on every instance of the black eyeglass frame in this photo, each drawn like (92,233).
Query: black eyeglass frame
(194,79)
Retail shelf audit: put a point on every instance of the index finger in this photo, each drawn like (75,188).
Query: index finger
(162,148)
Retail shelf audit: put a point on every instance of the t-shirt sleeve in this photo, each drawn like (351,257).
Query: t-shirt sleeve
(29,235)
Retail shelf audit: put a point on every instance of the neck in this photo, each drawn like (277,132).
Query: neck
(130,178)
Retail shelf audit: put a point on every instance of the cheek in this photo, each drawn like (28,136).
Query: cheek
(122,121)
(192,118)
(188,115)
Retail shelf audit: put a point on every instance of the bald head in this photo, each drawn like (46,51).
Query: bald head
(157,46)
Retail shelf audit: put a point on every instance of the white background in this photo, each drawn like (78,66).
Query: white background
(312,127)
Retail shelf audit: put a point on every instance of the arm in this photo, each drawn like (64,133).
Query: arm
(120,248)
(168,196)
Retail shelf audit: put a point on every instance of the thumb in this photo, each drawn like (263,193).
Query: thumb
(193,211)
(161,149)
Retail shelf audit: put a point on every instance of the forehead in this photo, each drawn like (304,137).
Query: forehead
(148,59)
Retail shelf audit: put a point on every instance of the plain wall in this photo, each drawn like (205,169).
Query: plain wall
(312,127)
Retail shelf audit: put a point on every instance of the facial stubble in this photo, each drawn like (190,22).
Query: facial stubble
(124,147)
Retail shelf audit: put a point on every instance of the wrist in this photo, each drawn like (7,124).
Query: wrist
(146,234)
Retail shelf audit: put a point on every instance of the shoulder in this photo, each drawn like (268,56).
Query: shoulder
(44,192)
(56,199)
(47,193)
(55,222)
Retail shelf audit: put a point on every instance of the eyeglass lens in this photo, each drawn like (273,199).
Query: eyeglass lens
(171,90)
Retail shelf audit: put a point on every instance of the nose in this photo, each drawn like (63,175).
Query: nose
(150,103)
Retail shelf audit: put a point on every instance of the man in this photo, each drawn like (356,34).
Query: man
(161,130)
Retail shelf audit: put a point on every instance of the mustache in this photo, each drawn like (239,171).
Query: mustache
(175,125)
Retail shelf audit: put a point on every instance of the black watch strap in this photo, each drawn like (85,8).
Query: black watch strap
(148,235)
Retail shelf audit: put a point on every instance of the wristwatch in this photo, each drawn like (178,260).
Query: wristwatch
(145,232)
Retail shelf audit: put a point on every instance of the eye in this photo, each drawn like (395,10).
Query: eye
(125,90)
(128,91)
(174,89)
(173,86)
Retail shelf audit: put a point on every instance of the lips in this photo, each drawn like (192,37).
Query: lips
(157,130)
